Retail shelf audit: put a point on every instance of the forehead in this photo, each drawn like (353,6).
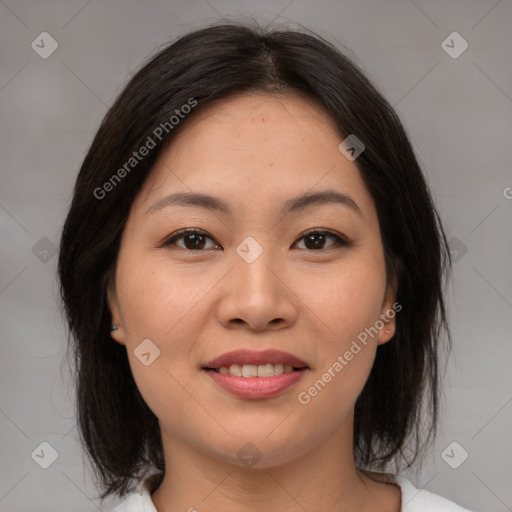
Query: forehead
(253,128)
(256,148)
(259,107)
(276,119)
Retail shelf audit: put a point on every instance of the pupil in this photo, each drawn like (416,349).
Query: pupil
(316,244)
(197,243)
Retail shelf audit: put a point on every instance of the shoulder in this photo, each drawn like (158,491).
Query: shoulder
(130,503)
(421,500)
(416,500)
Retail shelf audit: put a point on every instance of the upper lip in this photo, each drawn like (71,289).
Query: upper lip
(256,358)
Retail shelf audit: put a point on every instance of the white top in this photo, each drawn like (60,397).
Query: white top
(413,500)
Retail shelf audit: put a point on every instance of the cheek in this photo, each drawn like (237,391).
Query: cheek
(161,303)
(157,298)
(346,300)
(345,354)
(330,396)
(348,303)
(157,304)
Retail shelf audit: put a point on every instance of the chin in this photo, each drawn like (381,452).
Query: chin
(262,450)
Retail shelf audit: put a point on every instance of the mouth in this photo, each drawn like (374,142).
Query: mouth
(248,358)
(252,370)
(254,375)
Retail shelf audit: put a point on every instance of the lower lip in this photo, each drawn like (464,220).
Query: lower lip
(256,387)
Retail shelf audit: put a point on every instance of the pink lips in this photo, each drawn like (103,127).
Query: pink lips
(255,357)
(256,387)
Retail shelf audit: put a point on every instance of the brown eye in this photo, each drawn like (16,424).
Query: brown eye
(196,240)
(193,240)
(315,240)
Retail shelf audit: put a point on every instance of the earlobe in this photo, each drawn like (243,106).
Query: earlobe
(387,332)
(116,332)
(387,316)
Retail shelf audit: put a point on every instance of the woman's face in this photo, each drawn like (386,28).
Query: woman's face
(251,278)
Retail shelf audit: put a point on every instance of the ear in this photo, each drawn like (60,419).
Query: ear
(113,305)
(388,313)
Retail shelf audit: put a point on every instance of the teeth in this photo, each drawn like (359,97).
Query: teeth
(252,370)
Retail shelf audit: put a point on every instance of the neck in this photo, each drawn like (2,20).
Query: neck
(323,478)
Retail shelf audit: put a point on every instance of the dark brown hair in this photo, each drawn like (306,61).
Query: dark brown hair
(120,433)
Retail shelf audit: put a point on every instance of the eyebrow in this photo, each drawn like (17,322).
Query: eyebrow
(292,205)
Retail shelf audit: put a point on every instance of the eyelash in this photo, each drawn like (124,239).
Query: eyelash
(339,241)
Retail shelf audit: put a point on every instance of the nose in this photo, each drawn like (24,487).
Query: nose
(256,296)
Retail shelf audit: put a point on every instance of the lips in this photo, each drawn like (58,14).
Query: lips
(251,357)
(256,388)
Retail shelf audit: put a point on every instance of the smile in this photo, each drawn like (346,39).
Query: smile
(252,370)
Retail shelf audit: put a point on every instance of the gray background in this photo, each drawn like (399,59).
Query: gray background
(457,111)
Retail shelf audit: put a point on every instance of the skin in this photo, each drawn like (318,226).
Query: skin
(254,151)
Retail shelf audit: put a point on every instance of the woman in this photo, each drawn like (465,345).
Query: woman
(252,271)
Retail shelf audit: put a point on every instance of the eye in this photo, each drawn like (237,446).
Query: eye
(315,240)
(195,240)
